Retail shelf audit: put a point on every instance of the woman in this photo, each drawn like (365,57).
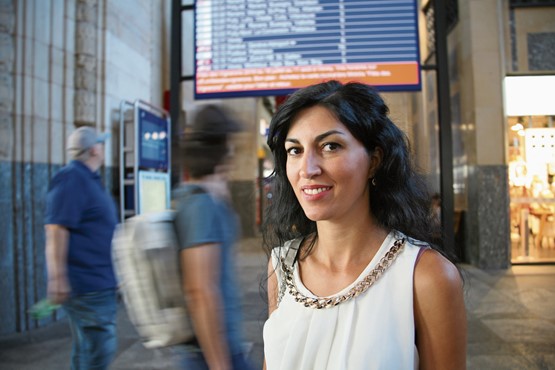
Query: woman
(355,284)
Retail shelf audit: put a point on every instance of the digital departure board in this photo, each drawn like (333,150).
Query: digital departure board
(272,47)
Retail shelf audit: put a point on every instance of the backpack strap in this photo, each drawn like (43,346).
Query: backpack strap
(196,190)
(182,194)
(291,251)
(292,248)
(192,190)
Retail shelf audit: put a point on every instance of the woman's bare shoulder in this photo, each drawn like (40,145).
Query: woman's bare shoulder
(434,272)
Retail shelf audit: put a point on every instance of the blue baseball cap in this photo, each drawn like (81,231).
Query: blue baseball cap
(83,139)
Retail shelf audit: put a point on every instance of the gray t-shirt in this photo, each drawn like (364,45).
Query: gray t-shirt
(204,219)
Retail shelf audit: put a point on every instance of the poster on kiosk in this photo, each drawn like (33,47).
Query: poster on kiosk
(153,162)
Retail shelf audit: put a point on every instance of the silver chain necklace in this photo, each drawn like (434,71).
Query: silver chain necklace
(361,287)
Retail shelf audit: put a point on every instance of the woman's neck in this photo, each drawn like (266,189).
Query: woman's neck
(342,245)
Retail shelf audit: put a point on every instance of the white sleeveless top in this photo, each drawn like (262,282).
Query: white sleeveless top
(373,331)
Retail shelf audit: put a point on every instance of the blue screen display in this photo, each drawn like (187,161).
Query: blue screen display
(153,141)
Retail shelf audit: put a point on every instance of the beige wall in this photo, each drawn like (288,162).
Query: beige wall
(481,47)
(400,110)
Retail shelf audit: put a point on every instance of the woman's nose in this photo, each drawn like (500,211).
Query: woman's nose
(310,166)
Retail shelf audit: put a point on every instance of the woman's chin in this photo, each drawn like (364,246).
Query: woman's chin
(316,216)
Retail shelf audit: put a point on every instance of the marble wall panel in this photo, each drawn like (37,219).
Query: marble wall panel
(487,219)
(541,51)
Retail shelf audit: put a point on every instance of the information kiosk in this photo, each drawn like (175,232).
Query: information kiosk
(145,132)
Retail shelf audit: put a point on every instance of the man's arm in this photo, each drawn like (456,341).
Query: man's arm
(57,240)
(201,267)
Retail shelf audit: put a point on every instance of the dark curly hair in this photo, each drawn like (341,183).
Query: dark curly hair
(399,200)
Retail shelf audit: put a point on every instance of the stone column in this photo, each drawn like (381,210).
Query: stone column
(86,62)
(482,69)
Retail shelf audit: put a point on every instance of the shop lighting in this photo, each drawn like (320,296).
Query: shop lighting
(529,95)
(517,127)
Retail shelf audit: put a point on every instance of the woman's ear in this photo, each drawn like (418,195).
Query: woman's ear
(375,161)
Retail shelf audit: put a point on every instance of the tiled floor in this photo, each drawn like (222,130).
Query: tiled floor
(511,321)
(511,318)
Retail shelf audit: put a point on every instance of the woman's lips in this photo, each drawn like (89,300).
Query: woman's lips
(317,190)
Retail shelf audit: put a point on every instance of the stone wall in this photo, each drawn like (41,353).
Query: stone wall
(63,64)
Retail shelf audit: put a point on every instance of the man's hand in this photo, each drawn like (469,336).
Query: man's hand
(58,289)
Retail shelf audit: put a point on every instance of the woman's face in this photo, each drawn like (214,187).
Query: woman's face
(328,168)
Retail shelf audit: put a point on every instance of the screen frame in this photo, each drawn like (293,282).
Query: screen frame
(409,87)
(161,120)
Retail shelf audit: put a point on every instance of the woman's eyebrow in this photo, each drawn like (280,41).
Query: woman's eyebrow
(328,133)
(318,138)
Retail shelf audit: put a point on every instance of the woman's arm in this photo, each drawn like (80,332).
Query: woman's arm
(439,312)
(201,275)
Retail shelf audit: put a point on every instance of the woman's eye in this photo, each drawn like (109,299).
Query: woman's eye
(330,147)
(292,151)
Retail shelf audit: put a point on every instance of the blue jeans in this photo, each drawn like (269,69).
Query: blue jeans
(193,359)
(92,319)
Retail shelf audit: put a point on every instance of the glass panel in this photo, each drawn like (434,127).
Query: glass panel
(188,43)
(532,188)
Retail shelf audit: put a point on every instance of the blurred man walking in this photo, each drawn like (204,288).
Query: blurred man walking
(80,221)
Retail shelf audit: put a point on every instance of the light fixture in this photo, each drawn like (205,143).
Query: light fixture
(517,127)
